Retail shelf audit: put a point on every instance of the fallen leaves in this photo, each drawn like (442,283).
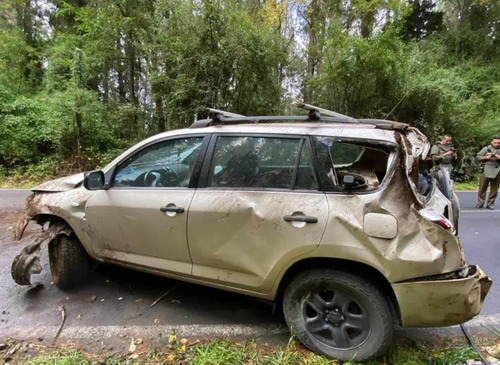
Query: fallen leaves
(170,358)
(494,351)
(132,346)
(172,339)
(134,343)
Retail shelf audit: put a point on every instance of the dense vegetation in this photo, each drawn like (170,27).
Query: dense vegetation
(82,79)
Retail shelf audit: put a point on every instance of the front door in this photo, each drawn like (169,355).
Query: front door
(141,220)
(258,210)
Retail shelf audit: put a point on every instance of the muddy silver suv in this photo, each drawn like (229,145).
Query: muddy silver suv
(324,214)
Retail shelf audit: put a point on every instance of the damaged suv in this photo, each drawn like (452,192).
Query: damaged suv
(322,213)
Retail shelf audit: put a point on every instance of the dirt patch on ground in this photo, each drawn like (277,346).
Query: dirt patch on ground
(9,217)
(8,220)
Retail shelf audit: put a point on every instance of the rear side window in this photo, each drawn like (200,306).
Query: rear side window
(351,166)
(262,162)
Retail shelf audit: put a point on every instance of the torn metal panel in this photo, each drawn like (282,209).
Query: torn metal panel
(27,262)
(21,225)
(442,301)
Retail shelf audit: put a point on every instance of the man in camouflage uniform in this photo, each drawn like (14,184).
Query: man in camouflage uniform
(443,154)
(490,159)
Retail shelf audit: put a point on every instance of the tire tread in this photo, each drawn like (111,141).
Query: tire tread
(69,262)
(366,288)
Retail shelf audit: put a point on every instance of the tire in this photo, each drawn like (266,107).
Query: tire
(69,262)
(338,314)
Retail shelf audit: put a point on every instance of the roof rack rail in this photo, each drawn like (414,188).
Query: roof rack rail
(224,113)
(219,117)
(314,110)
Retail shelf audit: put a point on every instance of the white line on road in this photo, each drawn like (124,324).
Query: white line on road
(484,211)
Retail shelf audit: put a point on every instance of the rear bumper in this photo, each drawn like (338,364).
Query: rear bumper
(442,301)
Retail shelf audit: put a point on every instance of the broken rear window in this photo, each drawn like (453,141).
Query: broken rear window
(351,165)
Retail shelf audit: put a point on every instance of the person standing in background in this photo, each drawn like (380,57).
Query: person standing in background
(490,160)
(443,154)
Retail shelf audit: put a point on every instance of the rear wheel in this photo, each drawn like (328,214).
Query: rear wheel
(338,314)
(69,262)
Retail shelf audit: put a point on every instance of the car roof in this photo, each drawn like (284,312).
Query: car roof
(348,130)
(368,132)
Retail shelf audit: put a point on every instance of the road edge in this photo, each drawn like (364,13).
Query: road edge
(208,331)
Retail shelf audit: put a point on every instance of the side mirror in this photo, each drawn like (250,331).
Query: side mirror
(94,180)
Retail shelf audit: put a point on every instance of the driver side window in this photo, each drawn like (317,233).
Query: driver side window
(164,164)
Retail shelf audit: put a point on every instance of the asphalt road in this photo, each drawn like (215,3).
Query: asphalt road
(117,301)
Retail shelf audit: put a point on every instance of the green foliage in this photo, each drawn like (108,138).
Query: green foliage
(81,80)
(453,356)
(361,75)
(216,351)
(422,21)
(28,130)
(70,357)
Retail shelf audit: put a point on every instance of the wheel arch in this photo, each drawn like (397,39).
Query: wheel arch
(43,218)
(367,272)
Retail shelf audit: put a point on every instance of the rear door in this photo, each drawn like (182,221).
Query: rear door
(257,210)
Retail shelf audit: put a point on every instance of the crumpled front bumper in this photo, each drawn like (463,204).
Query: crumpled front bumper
(442,301)
(27,263)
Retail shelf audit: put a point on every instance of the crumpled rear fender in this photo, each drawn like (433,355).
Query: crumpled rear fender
(27,263)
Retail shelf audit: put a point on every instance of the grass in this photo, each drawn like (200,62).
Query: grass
(68,357)
(222,352)
(469,185)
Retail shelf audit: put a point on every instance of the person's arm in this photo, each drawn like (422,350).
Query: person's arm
(481,155)
(435,154)
(434,150)
(436,157)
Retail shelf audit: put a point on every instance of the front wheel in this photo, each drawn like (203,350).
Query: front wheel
(338,314)
(69,262)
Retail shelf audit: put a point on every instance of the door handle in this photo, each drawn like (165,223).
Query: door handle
(300,218)
(166,209)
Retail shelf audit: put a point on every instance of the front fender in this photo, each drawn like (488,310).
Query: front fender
(65,211)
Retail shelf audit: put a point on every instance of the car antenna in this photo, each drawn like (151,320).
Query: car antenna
(315,111)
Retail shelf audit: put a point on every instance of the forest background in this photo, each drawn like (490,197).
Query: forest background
(81,80)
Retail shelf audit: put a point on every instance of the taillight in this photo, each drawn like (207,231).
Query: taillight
(435,217)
